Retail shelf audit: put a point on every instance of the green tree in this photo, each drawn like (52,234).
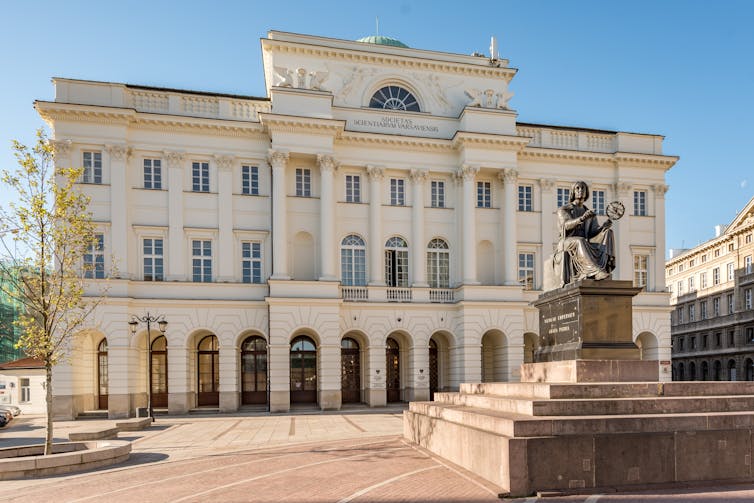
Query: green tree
(45,235)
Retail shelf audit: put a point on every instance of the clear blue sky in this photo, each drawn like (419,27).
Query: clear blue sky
(680,68)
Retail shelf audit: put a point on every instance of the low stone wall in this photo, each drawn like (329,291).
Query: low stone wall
(29,461)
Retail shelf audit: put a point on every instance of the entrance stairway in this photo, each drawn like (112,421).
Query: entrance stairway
(582,437)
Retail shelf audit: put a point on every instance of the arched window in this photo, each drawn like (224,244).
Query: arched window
(731,370)
(254,370)
(208,368)
(394,98)
(350,368)
(353,268)
(438,264)
(681,374)
(159,372)
(393,367)
(102,380)
(692,371)
(705,371)
(303,370)
(396,262)
(749,369)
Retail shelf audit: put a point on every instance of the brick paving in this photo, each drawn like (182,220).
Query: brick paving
(346,457)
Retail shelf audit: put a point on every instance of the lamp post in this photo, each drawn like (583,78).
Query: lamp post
(163,325)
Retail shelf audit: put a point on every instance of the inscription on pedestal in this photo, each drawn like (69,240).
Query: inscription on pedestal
(559,322)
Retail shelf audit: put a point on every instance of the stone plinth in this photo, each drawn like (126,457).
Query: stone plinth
(588,320)
(591,371)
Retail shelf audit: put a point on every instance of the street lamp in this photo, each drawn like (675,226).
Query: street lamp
(163,325)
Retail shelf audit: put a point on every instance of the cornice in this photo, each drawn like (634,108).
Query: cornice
(53,111)
(665,161)
(296,124)
(464,139)
(538,153)
(415,142)
(407,62)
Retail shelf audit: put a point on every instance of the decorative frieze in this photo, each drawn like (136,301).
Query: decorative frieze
(299,78)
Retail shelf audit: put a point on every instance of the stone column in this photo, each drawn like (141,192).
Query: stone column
(547,198)
(624,260)
(119,208)
(327,166)
(279,160)
(176,270)
(226,269)
(468,173)
(509,177)
(657,274)
(376,270)
(230,391)
(419,246)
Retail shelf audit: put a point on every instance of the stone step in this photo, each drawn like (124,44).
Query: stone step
(534,391)
(521,426)
(92,414)
(607,406)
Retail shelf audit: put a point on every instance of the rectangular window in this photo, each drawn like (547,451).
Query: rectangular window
(716,276)
(680,343)
(201,262)
(397,192)
(200,176)
(704,258)
(680,267)
(718,339)
(483,194)
(705,341)
(750,334)
(731,272)
(747,239)
(526,270)
(640,203)
(94,258)
(717,252)
(691,284)
(437,193)
(153,260)
(747,264)
(747,299)
(564,196)
(692,342)
(303,182)
(598,201)
(524,198)
(731,338)
(152,174)
(250,180)
(716,306)
(703,310)
(680,315)
(730,303)
(641,270)
(702,280)
(25,390)
(251,262)
(680,288)
(691,263)
(692,312)
(353,189)
(92,167)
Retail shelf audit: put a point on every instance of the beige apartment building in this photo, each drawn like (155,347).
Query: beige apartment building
(371,231)
(711,294)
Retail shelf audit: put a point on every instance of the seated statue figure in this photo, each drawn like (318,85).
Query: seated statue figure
(585,248)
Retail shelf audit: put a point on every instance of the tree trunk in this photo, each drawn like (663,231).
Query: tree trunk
(48,400)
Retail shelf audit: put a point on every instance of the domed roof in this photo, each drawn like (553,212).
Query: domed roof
(382,40)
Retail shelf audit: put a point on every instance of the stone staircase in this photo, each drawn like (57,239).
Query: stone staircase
(581,437)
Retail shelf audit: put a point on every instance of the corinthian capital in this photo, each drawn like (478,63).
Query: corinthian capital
(508,175)
(224,162)
(467,172)
(622,188)
(326,163)
(174,159)
(118,152)
(546,184)
(375,172)
(61,148)
(278,158)
(660,189)
(418,176)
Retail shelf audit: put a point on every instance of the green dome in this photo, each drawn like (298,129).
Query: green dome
(381,40)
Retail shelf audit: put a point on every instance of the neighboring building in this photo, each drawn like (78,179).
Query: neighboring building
(22,383)
(9,332)
(371,231)
(711,294)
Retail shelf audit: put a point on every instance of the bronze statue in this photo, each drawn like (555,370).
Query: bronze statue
(585,248)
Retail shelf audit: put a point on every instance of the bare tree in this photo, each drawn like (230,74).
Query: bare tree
(47,237)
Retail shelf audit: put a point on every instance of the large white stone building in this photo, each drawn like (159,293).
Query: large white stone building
(371,231)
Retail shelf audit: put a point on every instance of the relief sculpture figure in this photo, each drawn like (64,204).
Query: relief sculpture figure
(585,248)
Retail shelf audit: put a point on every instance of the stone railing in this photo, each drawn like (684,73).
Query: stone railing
(440,295)
(568,140)
(195,105)
(355,293)
(399,295)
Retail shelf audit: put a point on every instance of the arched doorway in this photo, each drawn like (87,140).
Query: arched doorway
(494,359)
(692,371)
(749,369)
(303,370)
(102,378)
(731,370)
(433,369)
(680,376)
(393,367)
(158,372)
(253,370)
(350,371)
(717,371)
(208,367)
(705,371)
(648,346)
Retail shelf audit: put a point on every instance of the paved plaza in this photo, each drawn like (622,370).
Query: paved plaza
(357,456)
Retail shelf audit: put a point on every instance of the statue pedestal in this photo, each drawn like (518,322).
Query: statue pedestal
(587,320)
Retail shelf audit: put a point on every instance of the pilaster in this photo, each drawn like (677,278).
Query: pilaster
(624,260)
(509,177)
(376,271)
(418,177)
(118,155)
(278,159)
(547,198)
(467,173)
(657,277)
(224,165)
(176,270)
(327,166)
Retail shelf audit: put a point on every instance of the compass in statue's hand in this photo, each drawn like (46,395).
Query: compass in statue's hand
(615,210)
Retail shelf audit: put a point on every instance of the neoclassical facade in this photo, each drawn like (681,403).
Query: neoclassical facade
(371,231)
(711,285)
